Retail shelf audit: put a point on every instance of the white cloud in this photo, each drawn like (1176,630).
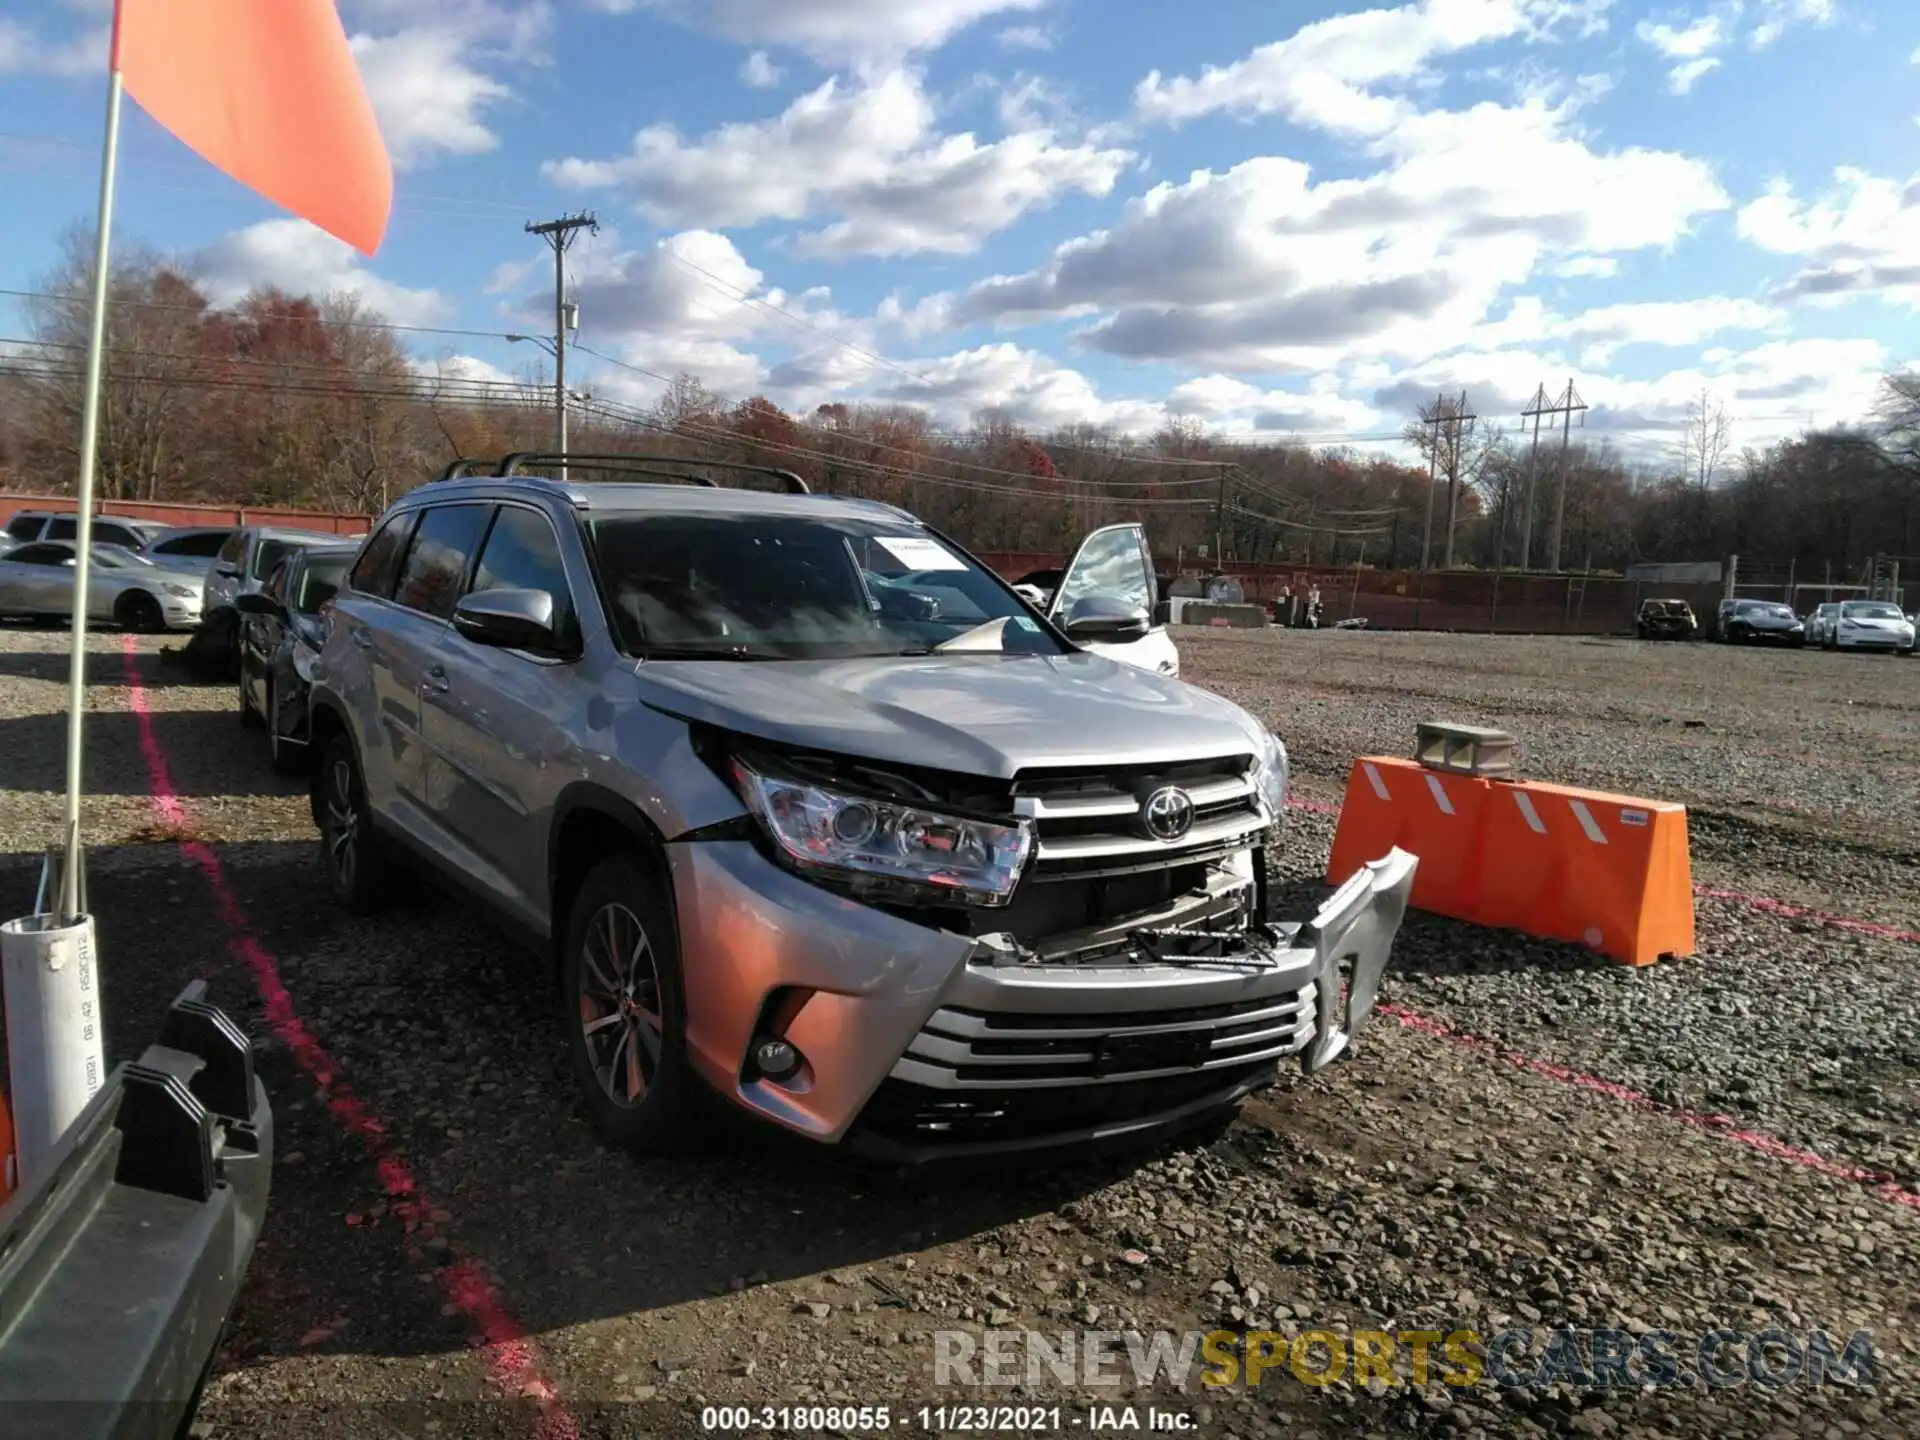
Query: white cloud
(867,153)
(303,260)
(1024,37)
(1587,267)
(759,71)
(1690,46)
(1778,16)
(1860,238)
(1258,269)
(1233,407)
(1329,74)
(833,30)
(427,96)
(1031,388)
(24,52)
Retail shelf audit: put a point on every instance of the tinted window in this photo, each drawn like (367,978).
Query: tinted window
(373,573)
(233,547)
(65,527)
(320,580)
(1112,564)
(199,547)
(23,527)
(42,555)
(105,532)
(276,584)
(522,553)
(436,564)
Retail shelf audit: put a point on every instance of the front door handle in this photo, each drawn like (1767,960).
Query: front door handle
(437,679)
(361,638)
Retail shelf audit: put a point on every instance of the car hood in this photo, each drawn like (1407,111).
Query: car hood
(990,715)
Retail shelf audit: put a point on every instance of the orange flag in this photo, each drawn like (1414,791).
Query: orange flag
(266,90)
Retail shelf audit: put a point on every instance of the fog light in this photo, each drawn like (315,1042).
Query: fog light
(775,1058)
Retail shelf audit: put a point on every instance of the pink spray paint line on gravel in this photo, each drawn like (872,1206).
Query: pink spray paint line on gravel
(1763,904)
(1722,1126)
(513,1364)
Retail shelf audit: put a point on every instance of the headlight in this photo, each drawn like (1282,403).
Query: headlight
(1272,775)
(179,590)
(873,845)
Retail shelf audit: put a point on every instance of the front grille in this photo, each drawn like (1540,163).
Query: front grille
(1087,826)
(962,1049)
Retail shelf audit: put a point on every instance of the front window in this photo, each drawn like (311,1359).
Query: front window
(1870,610)
(776,587)
(320,580)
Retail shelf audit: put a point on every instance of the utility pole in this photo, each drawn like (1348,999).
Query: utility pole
(1220,523)
(559,234)
(1568,403)
(1463,419)
(1536,407)
(1432,422)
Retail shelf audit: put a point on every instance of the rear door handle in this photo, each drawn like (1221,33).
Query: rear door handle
(437,679)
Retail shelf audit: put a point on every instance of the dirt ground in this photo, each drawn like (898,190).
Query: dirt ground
(1528,1138)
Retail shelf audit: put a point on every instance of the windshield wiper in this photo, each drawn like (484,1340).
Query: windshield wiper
(706,652)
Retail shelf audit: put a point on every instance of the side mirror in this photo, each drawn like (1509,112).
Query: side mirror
(508,619)
(1106,617)
(255,602)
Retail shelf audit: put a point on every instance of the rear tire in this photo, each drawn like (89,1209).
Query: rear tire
(620,979)
(356,863)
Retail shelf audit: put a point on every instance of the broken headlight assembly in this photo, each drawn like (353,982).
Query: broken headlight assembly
(1271,775)
(884,849)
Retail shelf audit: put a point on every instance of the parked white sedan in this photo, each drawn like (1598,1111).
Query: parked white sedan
(36,581)
(1871,625)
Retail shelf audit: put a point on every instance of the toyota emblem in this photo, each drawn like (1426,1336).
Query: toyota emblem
(1167,814)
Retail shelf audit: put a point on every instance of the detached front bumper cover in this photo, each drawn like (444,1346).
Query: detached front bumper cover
(1352,937)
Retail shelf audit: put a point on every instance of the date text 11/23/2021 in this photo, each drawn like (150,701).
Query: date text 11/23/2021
(947,1419)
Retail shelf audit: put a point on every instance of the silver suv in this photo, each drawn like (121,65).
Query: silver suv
(812,811)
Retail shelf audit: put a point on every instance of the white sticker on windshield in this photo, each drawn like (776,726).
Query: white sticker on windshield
(916,552)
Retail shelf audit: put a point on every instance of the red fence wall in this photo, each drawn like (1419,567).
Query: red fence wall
(321,520)
(1440,600)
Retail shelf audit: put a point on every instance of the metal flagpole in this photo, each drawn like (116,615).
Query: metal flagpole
(56,1057)
(83,496)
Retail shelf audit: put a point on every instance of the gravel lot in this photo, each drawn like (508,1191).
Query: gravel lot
(1434,1181)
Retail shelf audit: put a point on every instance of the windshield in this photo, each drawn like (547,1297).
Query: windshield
(1763,607)
(776,587)
(318,582)
(1871,610)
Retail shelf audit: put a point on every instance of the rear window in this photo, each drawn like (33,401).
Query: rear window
(373,573)
(234,547)
(106,532)
(23,527)
(436,564)
(195,547)
(63,527)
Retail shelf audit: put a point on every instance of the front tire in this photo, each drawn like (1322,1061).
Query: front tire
(249,717)
(625,1011)
(141,613)
(354,860)
(284,758)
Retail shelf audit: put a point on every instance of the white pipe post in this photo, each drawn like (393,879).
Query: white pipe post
(56,1059)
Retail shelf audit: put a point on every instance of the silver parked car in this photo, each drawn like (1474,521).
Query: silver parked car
(26,526)
(36,580)
(922,880)
(241,566)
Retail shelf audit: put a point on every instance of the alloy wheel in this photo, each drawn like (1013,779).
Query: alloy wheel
(620,1005)
(342,828)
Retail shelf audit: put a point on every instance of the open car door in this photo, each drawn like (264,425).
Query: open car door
(1108,601)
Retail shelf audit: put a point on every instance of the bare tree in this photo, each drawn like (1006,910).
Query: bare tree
(1704,447)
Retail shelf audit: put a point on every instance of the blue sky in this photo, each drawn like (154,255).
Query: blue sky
(1274,218)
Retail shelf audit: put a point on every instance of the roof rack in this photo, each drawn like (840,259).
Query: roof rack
(647,465)
(461,468)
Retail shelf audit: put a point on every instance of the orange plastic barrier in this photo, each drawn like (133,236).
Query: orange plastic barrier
(1610,872)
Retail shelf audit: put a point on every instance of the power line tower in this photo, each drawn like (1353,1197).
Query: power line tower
(559,235)
(1565,407)
(1536,407)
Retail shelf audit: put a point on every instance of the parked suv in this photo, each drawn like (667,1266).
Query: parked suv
(814,812)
